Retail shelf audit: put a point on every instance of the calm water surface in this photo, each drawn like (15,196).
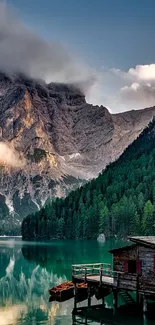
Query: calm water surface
(28,270)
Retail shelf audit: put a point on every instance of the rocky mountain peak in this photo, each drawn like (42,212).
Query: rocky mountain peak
(57,140)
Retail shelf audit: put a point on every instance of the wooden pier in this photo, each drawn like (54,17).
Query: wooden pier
(133,271)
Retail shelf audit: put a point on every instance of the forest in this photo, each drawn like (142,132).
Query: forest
(120,202)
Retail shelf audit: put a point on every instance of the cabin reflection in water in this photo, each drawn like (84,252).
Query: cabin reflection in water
(105,316)
(132,277)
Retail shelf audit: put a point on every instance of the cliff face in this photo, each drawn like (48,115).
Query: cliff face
(57,141)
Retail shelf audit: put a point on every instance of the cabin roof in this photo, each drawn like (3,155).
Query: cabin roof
(141,240)
(144,240)
(126,247)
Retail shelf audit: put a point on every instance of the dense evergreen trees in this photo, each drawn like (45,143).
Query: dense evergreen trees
(121,201)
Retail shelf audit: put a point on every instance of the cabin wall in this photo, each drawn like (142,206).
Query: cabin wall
(145,267)
(122,256)
(147,258)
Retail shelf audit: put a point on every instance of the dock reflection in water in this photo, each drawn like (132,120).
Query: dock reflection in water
(28,270)
(107,316)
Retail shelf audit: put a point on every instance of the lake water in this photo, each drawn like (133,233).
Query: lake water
(28,270)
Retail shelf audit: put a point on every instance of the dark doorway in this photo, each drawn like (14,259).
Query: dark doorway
(132,266)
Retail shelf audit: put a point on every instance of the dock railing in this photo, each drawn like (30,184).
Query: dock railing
(91,269)
(106,275)
(103,270)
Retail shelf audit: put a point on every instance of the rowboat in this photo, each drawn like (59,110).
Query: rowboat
(65,291)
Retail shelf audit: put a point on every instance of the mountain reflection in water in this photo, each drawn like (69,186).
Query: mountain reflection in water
(28,270)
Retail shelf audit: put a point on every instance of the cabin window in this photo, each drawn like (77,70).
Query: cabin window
(132,266)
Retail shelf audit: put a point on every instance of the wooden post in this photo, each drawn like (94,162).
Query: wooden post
(109,270)
(145,305)
(115,299)
(73,272)
(73,319)
(89,296)
(103,301)
(118,278)
(145,310)
(145,319)
(101,273)
(137,290)
(85,275)
(75,296)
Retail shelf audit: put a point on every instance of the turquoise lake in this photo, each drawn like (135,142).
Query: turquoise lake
(28,270)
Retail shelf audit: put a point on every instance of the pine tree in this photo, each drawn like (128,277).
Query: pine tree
(121,201)
(148,219)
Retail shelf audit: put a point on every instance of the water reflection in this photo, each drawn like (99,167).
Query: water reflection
(27,271)
(104,320)
(11,314)
(25,278)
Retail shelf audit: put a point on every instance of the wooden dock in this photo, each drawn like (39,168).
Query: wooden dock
(133,271)
(103,277)
(94,274)
(100,274)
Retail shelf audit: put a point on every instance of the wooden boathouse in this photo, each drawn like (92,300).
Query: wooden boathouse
(133,271)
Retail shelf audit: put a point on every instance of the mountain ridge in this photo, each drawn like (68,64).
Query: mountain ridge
(120,202)
(60,140)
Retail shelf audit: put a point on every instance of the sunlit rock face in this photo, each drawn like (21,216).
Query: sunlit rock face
(51,141)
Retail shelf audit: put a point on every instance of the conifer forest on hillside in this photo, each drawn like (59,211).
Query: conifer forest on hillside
(120,202)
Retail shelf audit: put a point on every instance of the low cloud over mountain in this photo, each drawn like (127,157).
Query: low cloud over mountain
(22,50)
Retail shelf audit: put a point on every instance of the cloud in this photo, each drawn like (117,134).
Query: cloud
(143,72)
(135,88)
(121,90)
(9,157)
(94,94)
(140,73)
(142,95)
(22,50)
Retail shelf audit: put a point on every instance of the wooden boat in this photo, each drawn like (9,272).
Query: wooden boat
(65,291)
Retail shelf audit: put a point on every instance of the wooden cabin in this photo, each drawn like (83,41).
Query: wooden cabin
(133,270)
(137,259)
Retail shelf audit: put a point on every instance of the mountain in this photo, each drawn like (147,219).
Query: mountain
(52,141)
(120,202)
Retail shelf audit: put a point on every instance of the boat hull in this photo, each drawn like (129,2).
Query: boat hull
(65,292)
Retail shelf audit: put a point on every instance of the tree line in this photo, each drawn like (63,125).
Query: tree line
(120,202)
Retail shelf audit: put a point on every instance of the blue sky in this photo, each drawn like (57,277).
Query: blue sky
(105,33)
(113,33)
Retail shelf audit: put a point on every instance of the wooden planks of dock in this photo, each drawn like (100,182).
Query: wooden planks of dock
(98,273)
(109,281)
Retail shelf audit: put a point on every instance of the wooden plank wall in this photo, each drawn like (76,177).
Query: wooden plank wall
(146,255)
(121,256)
(128,281)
